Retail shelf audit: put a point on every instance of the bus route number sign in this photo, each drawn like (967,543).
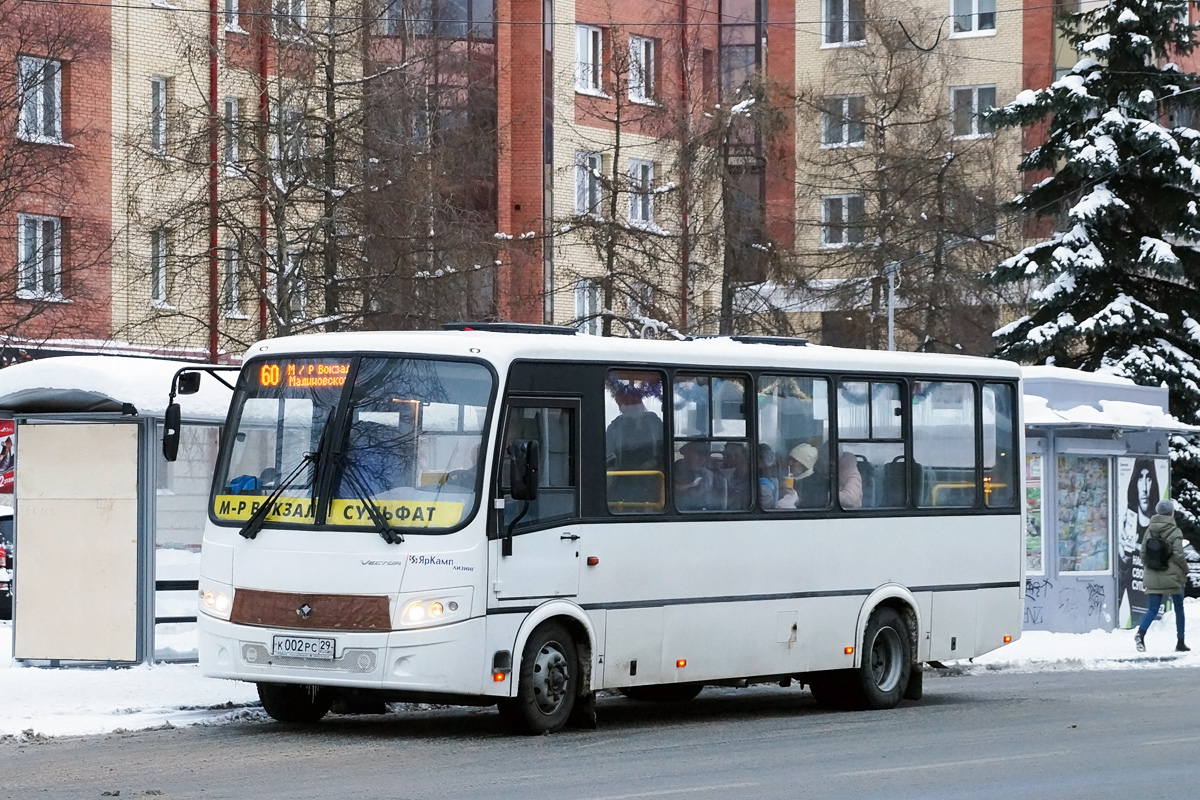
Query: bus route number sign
(304,375)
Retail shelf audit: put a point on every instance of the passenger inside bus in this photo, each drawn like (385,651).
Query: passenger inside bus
(768,476)
(634,450)
(634,439)
(695,481)
(809,479)
(735,469)
(850,480)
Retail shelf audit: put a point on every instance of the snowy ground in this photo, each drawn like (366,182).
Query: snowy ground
(38,702)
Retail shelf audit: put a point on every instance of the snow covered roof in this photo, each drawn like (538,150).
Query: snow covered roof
(106,383)
(1071,398)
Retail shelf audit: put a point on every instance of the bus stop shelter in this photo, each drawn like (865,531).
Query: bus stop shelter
(107,532)
(1096,463)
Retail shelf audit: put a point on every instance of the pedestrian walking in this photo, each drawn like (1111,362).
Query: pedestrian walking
(1163,575)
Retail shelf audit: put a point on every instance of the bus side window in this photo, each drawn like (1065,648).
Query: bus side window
(870,427)
(634,436)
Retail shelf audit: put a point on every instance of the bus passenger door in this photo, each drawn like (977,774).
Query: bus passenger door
(545,546)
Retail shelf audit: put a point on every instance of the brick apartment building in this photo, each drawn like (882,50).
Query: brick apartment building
(589,156)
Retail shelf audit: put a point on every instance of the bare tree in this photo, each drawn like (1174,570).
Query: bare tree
(664,217)
(349,190)
(905,189)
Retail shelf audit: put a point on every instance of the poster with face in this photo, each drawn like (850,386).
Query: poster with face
(8,455)
(1141,483)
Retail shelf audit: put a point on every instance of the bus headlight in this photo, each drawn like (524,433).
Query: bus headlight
(216,599)
(435,608)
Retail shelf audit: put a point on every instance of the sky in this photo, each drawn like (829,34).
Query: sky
(38,702)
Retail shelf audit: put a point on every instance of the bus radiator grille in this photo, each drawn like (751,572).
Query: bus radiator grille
(352,660)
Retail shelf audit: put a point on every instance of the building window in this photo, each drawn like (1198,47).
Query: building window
(394,18)
(39,244)
(845,21)
(842,121)
(233,132)
(841,220)
(40,87)
(641,69)
(641,192)
(587,183)
(587,307)
(291,139)
(231,16)
(973,16)
(158,266)
(233,278)
(589,59)
(291,17)
(158,116)
(967,104)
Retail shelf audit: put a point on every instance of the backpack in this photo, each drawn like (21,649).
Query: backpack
(1158,553)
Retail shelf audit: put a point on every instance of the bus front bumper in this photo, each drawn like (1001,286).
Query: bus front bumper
(439,660)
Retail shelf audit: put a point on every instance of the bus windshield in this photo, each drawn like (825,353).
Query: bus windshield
(346,441)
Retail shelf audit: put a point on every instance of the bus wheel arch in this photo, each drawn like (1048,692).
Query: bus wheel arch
(556,653)
(884,602)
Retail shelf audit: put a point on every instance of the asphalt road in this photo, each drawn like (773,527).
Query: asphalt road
(1095,735)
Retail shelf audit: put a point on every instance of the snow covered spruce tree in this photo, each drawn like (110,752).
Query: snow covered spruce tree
(1116,287)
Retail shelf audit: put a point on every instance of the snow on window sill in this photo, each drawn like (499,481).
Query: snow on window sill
(590,92)
(236,315)
(235,27)
(162,305)
(966,137)
(842,145)
(39,139)
(45,297)
(645,101)
(835,45)
(972,34)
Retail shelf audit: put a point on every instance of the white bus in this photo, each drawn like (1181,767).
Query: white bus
(523,516)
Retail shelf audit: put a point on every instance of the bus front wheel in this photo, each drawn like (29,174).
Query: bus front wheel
(293,702)
(547,684)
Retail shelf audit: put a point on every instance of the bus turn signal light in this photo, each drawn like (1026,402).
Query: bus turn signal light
(593,561)
(849,651)
(498,677)
(1007,639)
(681,663)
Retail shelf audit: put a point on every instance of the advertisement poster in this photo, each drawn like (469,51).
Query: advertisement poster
(1033,516)
(1082,514)
(8,455)
(1141,483)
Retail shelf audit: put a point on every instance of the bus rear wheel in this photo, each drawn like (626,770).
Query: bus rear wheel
(881,680)
(882,677)
(547,684)
(294,702)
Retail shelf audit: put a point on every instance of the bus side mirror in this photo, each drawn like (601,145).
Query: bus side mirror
(189,382)
(524,455)
(171,431)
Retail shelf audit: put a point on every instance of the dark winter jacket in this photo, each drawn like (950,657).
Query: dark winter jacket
(1173,579)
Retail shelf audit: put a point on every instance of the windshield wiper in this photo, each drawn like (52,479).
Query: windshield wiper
(255,523)
(390,535)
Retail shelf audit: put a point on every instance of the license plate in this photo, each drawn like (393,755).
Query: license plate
(303,647)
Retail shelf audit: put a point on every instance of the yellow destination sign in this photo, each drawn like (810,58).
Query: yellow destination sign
(299,510)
